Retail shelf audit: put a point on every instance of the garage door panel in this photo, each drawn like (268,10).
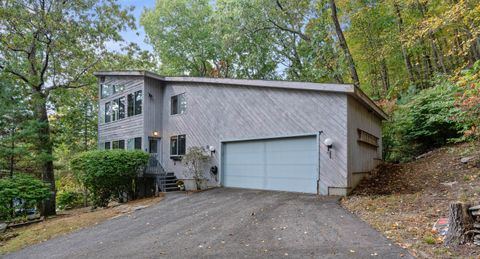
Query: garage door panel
(288,164)
(287,158)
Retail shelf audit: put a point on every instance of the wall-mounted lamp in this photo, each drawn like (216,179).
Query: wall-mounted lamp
(211,149)
(150,95)
(329,143)
(155,133)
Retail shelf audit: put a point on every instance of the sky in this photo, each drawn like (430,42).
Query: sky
(131,35)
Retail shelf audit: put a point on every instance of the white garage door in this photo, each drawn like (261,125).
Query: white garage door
(286,164)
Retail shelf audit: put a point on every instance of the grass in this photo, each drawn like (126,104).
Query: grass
(66,222)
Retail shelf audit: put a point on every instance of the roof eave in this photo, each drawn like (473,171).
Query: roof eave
(362,97)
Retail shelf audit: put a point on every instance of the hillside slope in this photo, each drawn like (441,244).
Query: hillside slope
(403,201)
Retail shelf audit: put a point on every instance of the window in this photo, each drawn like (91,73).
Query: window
(108,111)
(118,108)
(367,138)
(138,102)
(107,145)
(178,104)
(107,90)
(138,143)
(118,144)
(135,103)
(152,146)
(134,143)
(118,88)
(177,145)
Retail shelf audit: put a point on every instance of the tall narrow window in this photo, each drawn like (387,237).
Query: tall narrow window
(174,146)
(135,103)
(138,102)
(107,145)
(178,104)
(130,104)
(114,109)
(108,111)
(121,107)
(138,143)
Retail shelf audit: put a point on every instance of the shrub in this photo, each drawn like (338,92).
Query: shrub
(469,101)
(26,189)
(195,159)
(69,200)
(108,172)
(427,120)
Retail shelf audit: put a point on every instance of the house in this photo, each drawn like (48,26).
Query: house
(273,135)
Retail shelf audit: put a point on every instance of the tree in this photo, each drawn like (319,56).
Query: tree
(51,45)
(344,45)
(195,159)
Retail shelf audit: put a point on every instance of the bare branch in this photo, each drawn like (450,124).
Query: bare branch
(303,36)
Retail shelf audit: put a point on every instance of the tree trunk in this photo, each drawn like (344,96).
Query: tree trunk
(460,221)
(406,57)
(343,44)
(48,207)
(384,75)
(12,155)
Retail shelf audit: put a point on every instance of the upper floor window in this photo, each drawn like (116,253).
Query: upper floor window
(178,104)
(177,145)
(108,112)
(107,90)
(115,110)
(135,103)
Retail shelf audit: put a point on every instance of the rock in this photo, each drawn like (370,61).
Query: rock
(3,227)
(465,160)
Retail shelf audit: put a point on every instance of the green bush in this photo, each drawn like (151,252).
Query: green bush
(427,119)
(106,173)
(29,190)
(69,200)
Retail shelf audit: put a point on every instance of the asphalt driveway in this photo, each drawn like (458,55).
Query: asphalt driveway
(226,223)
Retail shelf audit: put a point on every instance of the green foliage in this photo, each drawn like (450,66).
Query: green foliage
(429,119)
(24,187)
(69,200)
(106,173)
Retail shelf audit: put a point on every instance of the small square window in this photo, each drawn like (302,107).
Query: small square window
(107,145)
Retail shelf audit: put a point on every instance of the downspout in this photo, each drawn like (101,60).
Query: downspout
(319,152)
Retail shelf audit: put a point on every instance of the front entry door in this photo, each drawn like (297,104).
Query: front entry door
(153,149)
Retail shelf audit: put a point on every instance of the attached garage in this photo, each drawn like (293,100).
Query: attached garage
(281,164)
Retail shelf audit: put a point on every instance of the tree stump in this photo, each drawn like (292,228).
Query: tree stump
(459,222)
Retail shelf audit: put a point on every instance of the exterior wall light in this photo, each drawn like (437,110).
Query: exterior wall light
(211,149)
(329,143)
(155,133)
